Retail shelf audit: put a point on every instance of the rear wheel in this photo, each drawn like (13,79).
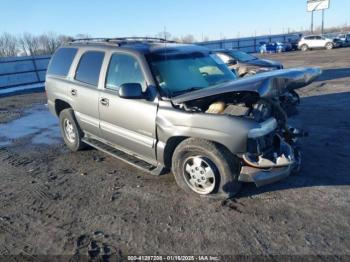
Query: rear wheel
(304,48)
(71,131)
(205,168)
(329,46)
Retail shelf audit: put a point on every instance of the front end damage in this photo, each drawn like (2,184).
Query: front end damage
(269,158)
(272,152)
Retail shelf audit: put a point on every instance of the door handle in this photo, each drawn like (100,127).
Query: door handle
(104,101)
(73,92)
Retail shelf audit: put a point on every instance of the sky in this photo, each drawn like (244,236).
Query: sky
(202,18)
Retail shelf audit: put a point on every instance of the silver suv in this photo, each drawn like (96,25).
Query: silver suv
(165,106)
(316,42)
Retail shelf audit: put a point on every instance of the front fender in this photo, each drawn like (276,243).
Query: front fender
(229,131)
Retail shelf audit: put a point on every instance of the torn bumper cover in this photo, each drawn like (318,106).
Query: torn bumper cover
(262,171)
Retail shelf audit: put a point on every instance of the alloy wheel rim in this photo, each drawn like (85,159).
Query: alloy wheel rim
(199,175)
(69,130)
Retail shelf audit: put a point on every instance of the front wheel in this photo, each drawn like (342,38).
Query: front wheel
(206,168)
(329,46)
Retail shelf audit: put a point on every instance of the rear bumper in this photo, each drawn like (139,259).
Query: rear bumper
(267,171)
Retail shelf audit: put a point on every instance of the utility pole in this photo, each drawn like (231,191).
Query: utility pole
(312,22)
(322,21)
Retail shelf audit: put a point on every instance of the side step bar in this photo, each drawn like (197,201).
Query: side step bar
(131,160)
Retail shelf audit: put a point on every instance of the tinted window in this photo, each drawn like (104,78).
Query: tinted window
(61,61)
(124,69)
(89,67)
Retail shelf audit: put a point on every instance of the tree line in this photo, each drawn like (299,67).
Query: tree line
(45,44)
(28,44)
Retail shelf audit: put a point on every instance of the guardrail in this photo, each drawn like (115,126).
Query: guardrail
(18,71)
(22,74)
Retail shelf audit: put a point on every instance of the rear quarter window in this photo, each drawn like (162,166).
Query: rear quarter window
(61,61)
(89,67)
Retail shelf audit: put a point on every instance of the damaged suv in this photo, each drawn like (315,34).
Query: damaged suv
(165,106)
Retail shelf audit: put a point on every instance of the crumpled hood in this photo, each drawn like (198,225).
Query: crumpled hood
(267,85)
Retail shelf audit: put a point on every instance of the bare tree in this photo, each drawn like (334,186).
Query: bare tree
(188,39)
(48,43)
(8,45)
(29,44)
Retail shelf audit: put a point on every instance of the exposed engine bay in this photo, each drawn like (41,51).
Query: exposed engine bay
(263,98)
(278,148)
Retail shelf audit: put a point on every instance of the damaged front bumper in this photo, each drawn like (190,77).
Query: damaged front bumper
(265,170)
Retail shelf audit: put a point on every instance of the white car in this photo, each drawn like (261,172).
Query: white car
(314,42)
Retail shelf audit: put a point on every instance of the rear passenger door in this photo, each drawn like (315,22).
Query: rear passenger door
(311,41)
(128,123)
(85,93)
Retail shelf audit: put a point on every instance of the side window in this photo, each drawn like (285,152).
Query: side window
(318,37)
(61,61)
(89,67)
(124,69)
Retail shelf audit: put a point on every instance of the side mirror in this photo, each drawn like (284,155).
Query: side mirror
(131,91)
(231,62)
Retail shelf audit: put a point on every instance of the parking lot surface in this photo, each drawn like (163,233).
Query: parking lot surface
(54,201)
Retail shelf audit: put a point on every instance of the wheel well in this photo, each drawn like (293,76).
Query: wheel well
(61,105)
(172,143)
(169,149)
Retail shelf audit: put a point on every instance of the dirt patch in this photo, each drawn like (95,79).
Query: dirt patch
(89,204)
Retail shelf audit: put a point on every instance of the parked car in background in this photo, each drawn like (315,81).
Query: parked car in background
(317,42)
(344,39)
(244,64)
(274,47)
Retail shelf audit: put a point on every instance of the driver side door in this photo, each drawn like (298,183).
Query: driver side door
(127,123)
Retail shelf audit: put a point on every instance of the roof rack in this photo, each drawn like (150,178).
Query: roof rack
(122,40)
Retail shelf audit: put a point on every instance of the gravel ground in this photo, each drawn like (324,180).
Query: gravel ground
(54,202)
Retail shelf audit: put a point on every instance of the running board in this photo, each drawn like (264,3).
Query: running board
(131,160)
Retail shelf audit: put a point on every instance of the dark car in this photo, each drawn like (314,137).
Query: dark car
(344,39)
(274,47)
(246,64)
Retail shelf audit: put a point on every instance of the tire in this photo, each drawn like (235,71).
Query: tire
(304,48)
(71,131)
(329,46)
(221,183)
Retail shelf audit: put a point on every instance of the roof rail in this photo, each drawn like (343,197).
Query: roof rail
(123,40)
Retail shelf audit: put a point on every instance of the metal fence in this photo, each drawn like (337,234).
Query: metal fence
(19,71)
(249,44)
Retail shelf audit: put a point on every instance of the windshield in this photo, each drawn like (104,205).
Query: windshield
(241,56)
(181,73)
